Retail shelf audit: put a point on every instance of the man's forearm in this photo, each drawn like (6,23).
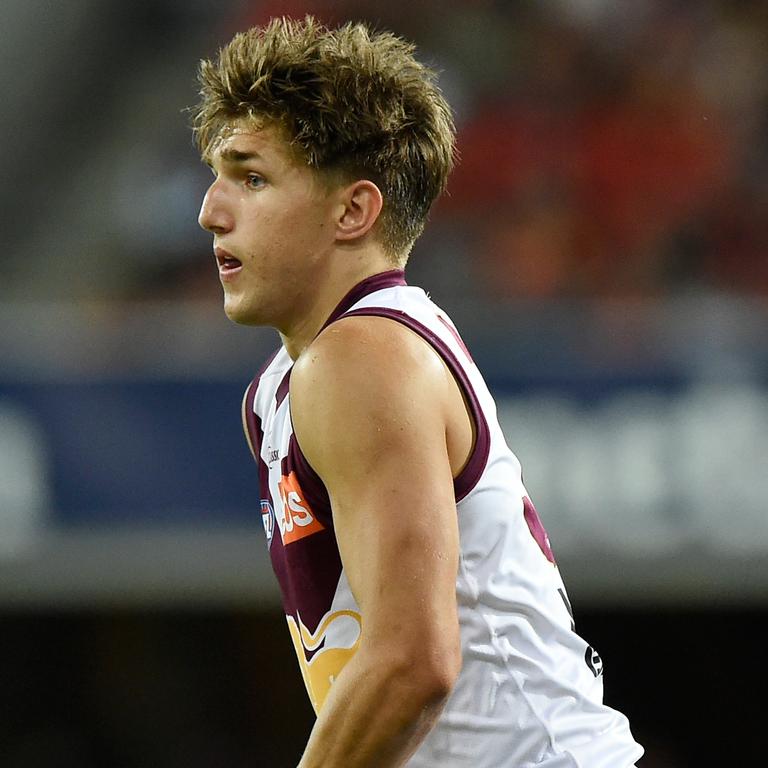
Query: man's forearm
(375,716)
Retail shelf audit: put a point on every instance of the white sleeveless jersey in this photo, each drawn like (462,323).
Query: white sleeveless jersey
(530,689)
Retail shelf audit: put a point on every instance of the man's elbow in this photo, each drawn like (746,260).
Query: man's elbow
(445,674)
(437,689)
(432,673)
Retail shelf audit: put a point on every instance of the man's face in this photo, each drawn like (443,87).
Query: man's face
(272,224)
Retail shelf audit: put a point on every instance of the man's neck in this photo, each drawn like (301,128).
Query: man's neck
(306,327)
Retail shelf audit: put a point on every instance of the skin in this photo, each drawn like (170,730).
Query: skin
(302,242)
(364,425)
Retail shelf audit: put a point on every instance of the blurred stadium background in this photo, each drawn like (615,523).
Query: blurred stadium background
(604,249)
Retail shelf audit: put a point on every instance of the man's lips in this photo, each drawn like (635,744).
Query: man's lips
(228,264)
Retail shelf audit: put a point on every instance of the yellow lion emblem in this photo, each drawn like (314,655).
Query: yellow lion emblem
(326,664)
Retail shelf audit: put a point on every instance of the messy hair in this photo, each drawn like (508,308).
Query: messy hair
(351,101)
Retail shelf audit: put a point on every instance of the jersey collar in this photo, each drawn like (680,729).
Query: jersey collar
(371,284)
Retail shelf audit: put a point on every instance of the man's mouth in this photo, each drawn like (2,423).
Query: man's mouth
(228,264)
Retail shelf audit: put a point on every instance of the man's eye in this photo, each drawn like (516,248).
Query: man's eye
(254,181)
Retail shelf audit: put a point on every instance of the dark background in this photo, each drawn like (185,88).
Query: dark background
(129,689)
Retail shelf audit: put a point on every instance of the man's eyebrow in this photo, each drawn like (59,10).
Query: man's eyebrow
(230,155)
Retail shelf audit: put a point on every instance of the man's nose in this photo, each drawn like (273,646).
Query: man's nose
(214,215)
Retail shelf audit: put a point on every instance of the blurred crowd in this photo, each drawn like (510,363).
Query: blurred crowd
(616,153)
(606,149)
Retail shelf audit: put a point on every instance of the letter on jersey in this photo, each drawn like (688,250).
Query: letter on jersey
(297,519)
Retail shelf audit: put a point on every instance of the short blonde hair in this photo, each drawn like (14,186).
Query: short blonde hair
(352,101)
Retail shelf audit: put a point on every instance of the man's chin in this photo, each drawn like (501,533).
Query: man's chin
(240,314)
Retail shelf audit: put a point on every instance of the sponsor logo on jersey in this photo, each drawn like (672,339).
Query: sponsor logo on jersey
(331,646)
(295,519)
(268,519)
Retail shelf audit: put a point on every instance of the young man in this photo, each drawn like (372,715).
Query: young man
(429,618)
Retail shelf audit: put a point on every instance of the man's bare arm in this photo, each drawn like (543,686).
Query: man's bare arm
(370,403)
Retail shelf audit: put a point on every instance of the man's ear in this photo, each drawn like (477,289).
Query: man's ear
(362,203)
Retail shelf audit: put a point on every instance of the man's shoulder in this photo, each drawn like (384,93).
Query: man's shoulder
(365,347)
(366,387)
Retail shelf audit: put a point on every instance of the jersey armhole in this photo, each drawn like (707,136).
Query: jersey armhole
(246,409)
(469,476)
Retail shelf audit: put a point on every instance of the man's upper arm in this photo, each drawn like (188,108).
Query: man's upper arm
(368,402)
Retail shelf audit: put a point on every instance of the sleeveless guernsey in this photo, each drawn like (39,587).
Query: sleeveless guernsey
(530,689)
